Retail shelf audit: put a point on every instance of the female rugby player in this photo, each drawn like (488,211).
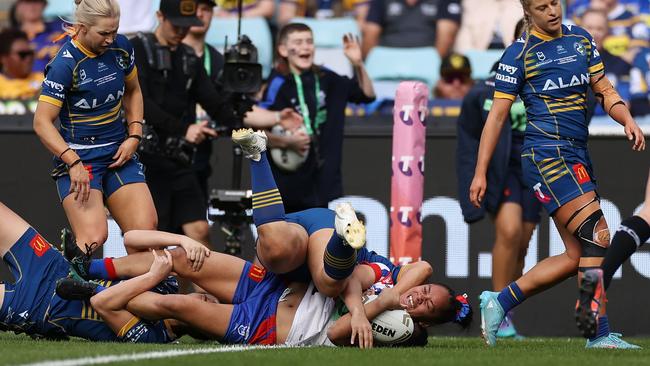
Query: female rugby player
(87,85)
(550,68)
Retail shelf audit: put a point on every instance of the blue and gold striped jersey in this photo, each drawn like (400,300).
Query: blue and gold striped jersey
(89,90)
(551,76)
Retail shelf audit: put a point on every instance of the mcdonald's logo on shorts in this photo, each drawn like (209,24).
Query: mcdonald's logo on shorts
(256,273)
(39,245)
(581,173)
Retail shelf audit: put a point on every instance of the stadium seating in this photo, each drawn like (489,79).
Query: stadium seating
(328,38)
(482,61)
(59,8)
(388,66)
(257,29)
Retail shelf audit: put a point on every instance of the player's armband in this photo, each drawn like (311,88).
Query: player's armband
(606,94)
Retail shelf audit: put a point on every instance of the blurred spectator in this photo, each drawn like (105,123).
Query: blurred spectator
(412,23)
(575,8)
(639,79)
(250,8)
(616,68)
(321,9)
(17,80)
(627,30)
(455,78)
(485,22)
(136,16)
(27,15)
(212,62)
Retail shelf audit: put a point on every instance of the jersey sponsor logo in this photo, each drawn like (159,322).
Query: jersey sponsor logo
(506,78)
(244,331)
(552,84)
(507,68)
(567,60)
(581,173)
(66,54)
(54,85)
(540,195)
(39,245)
(256,273)
(83,103)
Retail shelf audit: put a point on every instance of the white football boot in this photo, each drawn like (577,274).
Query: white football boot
(348,227)
(253,143)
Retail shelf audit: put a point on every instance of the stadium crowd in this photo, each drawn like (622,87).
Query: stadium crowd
(161,72)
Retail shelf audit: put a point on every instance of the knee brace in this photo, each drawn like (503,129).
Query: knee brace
(593,235)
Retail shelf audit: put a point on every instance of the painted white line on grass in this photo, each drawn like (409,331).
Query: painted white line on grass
(148,355)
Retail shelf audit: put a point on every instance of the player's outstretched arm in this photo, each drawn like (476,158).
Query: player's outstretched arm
(361,278)
(140,240)
(489,138)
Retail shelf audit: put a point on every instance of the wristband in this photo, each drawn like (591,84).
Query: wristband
(137,137)
(64,151)
(74,163)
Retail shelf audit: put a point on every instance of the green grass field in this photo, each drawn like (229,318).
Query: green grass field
(17,350)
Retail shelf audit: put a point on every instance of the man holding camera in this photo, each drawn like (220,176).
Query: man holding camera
(173,79)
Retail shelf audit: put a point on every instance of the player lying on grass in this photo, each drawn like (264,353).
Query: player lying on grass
(29,304)
(260,307)
(633,232)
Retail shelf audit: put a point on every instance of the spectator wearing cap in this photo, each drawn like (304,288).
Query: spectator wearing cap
(45,37)
(455,78)
(250,9)
(17,80)
(412,23)
(212,62)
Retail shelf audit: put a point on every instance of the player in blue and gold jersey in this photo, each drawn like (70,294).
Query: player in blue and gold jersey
(29,304)
(91,86)
(550,68)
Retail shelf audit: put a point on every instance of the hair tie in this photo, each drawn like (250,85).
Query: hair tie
(464,309)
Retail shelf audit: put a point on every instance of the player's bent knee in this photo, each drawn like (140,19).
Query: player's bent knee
(593,235)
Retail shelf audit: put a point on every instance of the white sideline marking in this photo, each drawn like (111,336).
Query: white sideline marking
(148,355)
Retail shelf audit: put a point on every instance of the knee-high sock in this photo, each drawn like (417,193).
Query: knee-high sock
(102,269)
(267,202)
(632,233)
(510,297)
(339,258)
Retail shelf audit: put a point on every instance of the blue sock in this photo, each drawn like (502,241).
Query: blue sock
(267,202)
(102,269)
(603,327)
(339,259)
(510,297)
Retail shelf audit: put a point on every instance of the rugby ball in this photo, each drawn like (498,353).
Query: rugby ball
(391,326)
(286,159)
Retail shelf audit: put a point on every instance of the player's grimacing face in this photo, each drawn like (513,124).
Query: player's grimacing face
(99,36)
(426,302)
(546,15)
(298,48)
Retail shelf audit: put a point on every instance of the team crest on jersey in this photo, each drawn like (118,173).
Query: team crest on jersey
(580,48)
(122,61)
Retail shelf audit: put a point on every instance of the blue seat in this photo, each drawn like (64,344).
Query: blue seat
(396,64)
(59,8)
(257,29)
(482,61)
(328,33)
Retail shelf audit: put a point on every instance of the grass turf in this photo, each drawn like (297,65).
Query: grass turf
(16,350)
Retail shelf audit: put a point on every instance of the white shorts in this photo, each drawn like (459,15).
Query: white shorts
(312,320)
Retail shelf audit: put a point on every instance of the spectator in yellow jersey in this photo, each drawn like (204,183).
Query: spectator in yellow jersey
(17,81)
(250,8)
(322,9)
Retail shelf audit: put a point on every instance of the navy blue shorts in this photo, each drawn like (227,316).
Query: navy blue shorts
(558,173)
(96,160)
(515,191)
(31,305)
(313,219)
(256,303)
